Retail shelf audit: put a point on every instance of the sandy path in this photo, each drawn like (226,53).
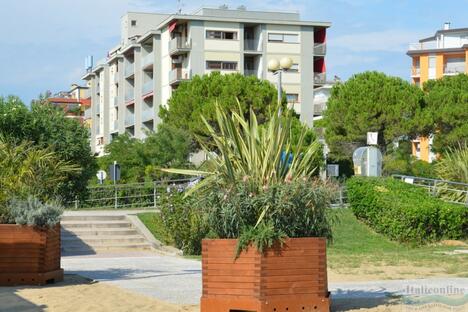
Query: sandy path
(79,295)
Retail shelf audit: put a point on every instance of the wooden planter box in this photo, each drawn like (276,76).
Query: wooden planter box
(29,256)
(291,278)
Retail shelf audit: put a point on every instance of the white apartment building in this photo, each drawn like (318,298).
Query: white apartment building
(158,51)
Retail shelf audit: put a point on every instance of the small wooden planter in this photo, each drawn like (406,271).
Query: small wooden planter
(291,278)
(29,256)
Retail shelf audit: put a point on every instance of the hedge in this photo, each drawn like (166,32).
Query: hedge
(404,212)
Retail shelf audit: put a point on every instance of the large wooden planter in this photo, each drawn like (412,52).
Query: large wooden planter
(292,278)
(29,256)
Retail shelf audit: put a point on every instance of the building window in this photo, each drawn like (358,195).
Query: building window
(292,97)
(133,23)
(285,38)
(223,35)
(218,65)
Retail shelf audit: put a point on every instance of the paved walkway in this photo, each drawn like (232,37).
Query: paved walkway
(178,280)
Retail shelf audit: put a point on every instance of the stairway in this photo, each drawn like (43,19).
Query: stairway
(90,234)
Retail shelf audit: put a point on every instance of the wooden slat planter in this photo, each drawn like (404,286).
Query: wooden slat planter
(291,278)
(29,256)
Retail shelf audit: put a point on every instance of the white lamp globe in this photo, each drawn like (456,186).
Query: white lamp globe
(273,65)
(286,63)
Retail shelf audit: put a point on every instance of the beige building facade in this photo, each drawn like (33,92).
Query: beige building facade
(157,52)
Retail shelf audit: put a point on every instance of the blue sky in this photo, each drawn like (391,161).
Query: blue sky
(44,43)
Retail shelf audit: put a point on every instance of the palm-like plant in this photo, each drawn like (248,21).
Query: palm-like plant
(453,166)
(26,170)
(259,154)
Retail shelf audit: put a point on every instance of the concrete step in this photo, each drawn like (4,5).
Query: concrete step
(103,240)
(114,247)
(99,231)
(95,224)
(68,218)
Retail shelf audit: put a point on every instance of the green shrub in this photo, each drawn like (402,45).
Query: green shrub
(404,212)
(33,212)
(184,221)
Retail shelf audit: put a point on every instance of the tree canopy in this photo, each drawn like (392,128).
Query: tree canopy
(46,126)
(446,115)
(197,98)
(370,102)
(141,159)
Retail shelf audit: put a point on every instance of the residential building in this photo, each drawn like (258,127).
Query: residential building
(443,54)
(157,52)
(74,103)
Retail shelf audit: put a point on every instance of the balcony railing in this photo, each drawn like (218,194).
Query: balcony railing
(129,95)
(422,46)
(251,72)
(147,114)
(320,48)
(115,125)
(148,60)
(115,101)
(129,70)
(179,45)
(129,119)
(320,78)
(416,71)
(147,87)
(252,45)
(454,69)
(179,74)
(319,108)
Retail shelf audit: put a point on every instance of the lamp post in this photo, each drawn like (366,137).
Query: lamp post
(277,67)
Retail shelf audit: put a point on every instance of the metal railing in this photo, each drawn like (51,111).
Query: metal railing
(129,196)
(320,48)
(416,71)
(129,95)
(115,101)
(454,192)
(179,44)
(178,74)
(147,114)
(251,72)
(454,69)
(319,108)
(423,46)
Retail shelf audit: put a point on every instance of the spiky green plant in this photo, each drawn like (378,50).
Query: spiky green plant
(259,154)
(453,166)
(26,170)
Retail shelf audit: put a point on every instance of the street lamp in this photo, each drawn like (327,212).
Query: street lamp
(277,67)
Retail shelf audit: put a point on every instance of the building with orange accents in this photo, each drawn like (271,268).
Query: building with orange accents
(443,54)
(75,103)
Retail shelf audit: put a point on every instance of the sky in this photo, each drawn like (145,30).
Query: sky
(44,42)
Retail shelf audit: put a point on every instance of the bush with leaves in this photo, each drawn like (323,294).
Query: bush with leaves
(33,212)
(27,170)
(182,219)
(261,176)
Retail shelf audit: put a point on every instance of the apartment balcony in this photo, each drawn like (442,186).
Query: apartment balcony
(114,125)
(454,69)
(320,48)
(129,70)
(129,96)
(319,108)
(147,87)
(416,72)
(148,60)
(147,114)
(320,78)
(430,45)
(252,45)
(251,72)
(129,119)
(179,46)
(178,75)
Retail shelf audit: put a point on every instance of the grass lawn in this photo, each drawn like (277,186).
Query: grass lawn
(355,245)
(356,249)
